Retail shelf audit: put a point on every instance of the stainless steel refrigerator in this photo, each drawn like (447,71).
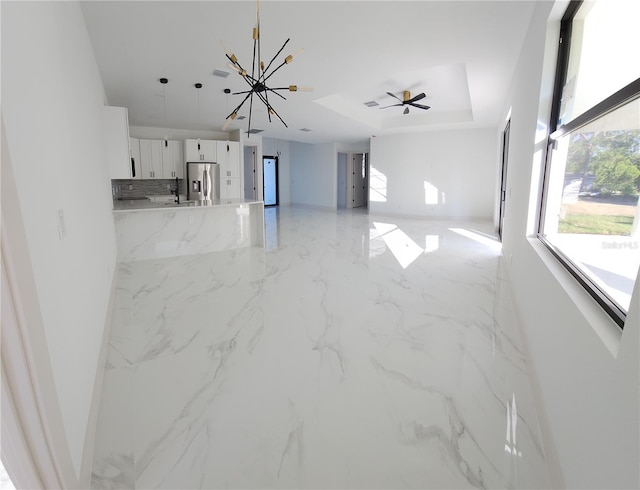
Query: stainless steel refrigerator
(203,181)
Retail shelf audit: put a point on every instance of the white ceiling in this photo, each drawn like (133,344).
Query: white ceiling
(461,54)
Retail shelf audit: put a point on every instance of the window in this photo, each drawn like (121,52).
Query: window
(590,217)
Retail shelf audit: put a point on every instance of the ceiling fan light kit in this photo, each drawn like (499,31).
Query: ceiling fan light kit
(260,74)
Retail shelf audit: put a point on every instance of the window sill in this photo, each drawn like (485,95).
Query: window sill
(602,324)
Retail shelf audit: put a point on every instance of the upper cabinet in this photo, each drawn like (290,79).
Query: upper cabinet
(116,134)
(134,152)
(151,159)
(229,159)
(172,161)
(200,151)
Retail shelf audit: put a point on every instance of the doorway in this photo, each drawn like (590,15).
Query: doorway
(250,191)
(270,180)
(503,178)
(343,158)
(360,178)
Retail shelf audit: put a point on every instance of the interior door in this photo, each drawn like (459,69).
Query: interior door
(359,174)
(503,179)
(250,190)
(343,158)
(270,180)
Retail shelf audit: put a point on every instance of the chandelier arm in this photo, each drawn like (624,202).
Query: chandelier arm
(239,106)
(256,43)
(270,108)
(235,63)
(274,91)
(266,101)
(278,116)
(275,56)
(250,110)
(275,70)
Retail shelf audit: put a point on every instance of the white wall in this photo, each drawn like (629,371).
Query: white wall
(313,174)
(281,149)
(586,371)
(52,98)
(438,174)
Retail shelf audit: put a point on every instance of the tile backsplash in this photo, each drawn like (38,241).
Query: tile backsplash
(147,187)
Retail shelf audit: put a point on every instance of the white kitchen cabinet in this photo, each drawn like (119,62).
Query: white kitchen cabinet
(134,153)
(151,158)
(230,188)
(228,159)
(172,161)
(116,137)
(200,151)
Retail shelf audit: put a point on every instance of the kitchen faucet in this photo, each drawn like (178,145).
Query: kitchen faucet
(177,191)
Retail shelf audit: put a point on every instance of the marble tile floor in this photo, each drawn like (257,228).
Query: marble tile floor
(354,351)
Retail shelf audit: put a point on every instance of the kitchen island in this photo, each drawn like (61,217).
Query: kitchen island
(151,230)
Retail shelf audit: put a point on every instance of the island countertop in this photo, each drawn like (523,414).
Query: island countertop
(144,205)
(152,230)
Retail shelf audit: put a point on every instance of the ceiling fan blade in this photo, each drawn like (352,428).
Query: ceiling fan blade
(394,96)
(392,105)
(416,98)
(420,106)
(406,110)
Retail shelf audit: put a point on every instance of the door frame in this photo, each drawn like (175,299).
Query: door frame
(506,134)
(343,174)
(275,159)
(254,152)
(351,181)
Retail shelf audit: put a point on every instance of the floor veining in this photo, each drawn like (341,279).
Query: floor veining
(354,351)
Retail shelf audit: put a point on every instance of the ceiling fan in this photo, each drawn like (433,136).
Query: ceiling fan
(407,101)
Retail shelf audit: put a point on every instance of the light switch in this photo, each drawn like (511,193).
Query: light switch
(62,230)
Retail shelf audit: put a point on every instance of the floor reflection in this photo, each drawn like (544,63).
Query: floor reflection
(271,228)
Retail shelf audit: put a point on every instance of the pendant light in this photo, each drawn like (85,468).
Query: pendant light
(164,82)
(198,86)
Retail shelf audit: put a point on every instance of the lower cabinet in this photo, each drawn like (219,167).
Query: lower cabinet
(230,188)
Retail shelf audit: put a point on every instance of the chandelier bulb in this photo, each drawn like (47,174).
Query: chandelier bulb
(229,53)
(289,58)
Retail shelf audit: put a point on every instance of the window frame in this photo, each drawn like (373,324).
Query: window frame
(611,103)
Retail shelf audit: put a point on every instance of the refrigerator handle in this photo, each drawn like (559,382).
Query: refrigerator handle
(205,179)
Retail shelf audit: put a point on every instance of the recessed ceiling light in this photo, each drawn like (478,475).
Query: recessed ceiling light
(371,103)
(255,131)
(220,73)
(306,130)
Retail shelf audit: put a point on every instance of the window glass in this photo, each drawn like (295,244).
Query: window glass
(592,214)
(603,57)
(590,217)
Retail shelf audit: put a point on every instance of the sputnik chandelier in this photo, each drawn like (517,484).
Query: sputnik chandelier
(259,77)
